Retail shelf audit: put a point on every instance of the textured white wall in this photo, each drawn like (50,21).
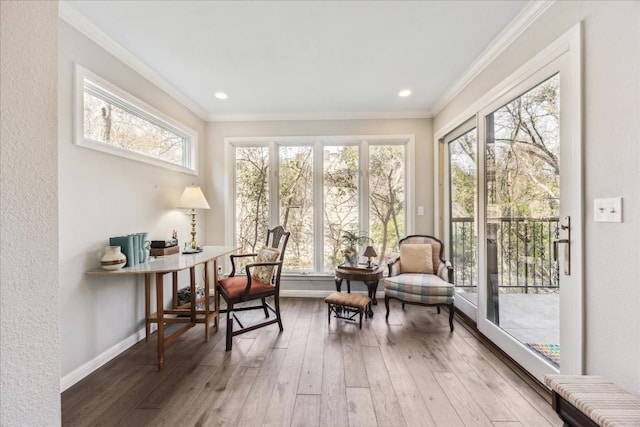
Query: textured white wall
(611,123)
(29,342)
(102,196)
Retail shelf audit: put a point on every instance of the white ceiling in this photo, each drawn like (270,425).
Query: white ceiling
(300,58)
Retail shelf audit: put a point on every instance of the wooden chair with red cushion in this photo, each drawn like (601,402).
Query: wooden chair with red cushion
(261,281)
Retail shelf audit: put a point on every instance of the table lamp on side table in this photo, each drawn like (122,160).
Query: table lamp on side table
(192,199)
(369,252)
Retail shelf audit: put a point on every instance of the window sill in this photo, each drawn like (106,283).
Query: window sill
(310,276)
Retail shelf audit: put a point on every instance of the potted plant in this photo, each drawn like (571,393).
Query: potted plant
(351,240)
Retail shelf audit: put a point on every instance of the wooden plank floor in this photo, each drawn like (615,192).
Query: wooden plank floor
(410,371)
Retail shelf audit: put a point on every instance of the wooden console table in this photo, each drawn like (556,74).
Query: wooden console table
(191,314)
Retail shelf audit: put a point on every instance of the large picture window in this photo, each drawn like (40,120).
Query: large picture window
(319,189)
(111,120)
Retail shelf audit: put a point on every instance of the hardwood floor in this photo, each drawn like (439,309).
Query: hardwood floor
(411,371)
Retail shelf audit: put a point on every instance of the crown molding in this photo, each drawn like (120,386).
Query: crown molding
(426,114)
(74,18)
(516,27)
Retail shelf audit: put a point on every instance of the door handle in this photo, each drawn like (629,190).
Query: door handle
(567,250)
(555,247)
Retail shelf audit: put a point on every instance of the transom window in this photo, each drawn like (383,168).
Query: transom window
(319,189)
(111,120)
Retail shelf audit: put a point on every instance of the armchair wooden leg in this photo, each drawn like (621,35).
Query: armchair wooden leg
(438,307)
(451,311)
(264,307)
(386,304)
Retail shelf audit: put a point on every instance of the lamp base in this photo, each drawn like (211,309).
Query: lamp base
(193,247)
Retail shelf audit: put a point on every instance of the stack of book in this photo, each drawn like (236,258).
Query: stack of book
(164,247)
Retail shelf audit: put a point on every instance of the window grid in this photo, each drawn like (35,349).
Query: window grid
(318,260)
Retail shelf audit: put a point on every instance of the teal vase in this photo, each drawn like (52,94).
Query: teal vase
(143,246)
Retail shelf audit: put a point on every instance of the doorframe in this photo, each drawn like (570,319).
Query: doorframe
(566,54)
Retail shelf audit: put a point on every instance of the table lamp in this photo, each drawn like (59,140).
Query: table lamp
(369,252)
(192,198)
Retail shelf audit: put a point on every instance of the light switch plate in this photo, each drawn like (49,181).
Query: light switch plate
(420,210)
(607,210)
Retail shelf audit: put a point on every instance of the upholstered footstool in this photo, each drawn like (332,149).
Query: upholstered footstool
(347,306)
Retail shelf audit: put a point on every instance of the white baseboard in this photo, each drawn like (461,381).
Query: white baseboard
(104,357)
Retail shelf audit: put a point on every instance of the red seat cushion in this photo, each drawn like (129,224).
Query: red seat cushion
(235,286)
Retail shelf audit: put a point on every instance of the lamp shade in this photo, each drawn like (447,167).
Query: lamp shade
(192,198)
(370,252)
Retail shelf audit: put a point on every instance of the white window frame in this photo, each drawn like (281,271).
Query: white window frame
(318,143)
(139,109)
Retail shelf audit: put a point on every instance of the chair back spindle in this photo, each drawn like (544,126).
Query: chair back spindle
(278,238)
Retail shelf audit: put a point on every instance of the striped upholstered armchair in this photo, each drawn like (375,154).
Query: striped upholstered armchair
(420,275)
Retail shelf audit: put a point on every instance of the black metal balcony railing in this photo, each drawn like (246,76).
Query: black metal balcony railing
(519,253)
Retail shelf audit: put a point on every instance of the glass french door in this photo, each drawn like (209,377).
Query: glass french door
(522,200)
(514,214)
(530,299)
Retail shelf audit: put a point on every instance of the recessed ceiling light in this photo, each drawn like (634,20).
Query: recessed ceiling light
(404,93)
(221,95)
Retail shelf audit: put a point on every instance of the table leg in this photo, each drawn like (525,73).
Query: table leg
(372,288)
(216,300)
(160,318)
(147,306)
(206,301)
(194,294)
(339,289)
(174,278)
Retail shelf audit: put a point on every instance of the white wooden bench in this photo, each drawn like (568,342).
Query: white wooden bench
(588,400)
